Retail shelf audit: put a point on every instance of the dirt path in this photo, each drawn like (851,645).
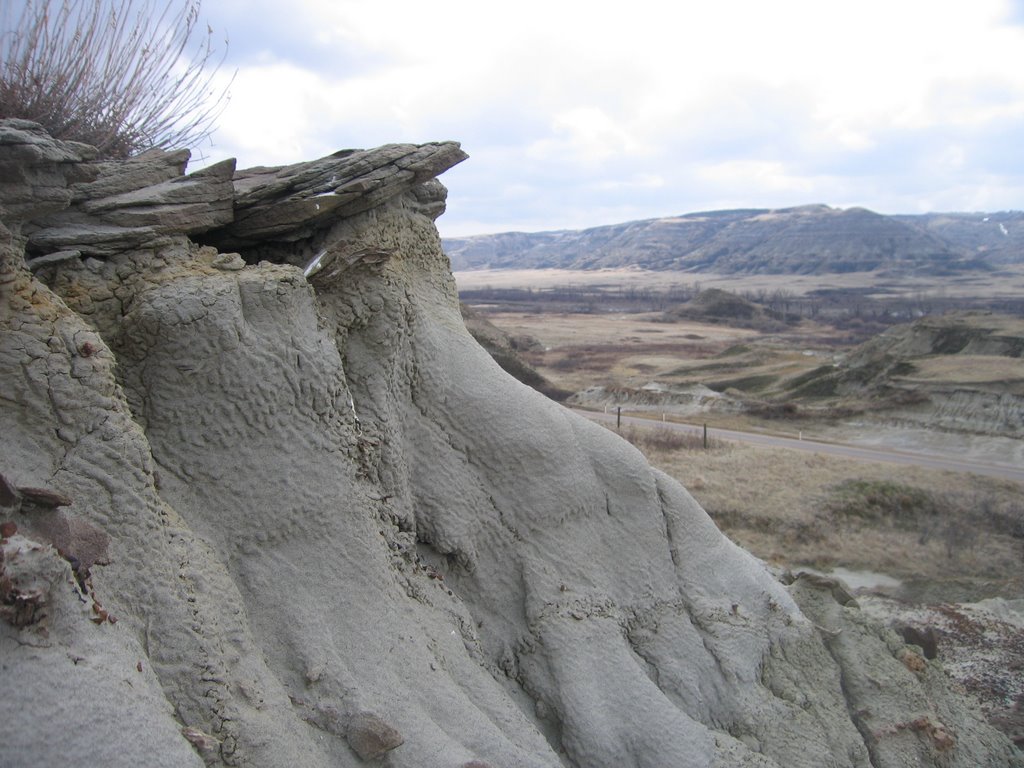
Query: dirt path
(929,461)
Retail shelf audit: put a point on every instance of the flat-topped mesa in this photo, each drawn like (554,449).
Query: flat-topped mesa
(61,199)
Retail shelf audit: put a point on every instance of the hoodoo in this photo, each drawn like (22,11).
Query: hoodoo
(310,522)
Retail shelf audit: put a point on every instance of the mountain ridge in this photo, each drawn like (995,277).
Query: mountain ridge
(807,239)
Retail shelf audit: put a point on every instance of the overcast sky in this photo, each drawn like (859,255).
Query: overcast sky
(577,114)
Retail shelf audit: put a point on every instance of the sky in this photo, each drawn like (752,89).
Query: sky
(577,114)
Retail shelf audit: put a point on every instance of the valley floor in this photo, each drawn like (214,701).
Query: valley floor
(924,522)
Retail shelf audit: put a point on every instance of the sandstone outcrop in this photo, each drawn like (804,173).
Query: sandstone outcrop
(338,533)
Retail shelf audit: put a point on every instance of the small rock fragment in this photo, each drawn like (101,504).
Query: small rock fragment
(229,262)
(924,638)
(52,259)
(203,742)
(912,661)
(44,497)
(9,496)
(370,737)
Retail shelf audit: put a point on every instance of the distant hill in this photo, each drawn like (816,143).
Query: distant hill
(996,237)
(812,239)
(962,371)
(714,305)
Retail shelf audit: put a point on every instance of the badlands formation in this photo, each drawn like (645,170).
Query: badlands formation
(266,503)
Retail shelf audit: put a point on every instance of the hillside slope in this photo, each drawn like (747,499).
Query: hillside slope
(961,372)
(998,238)
(814,239)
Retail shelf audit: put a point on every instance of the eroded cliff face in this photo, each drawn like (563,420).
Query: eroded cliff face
(332,531)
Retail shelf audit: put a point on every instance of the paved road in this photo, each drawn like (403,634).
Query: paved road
(930,461)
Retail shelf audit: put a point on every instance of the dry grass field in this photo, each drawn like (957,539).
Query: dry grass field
(969,369)
(1008,281)
(945,536)
(618,349)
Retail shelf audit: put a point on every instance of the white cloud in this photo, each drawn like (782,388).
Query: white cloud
(259,134)
(741,101)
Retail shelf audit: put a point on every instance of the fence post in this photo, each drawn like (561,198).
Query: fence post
(705,436)
(618,418)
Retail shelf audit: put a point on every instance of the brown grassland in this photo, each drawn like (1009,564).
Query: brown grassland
(944,535)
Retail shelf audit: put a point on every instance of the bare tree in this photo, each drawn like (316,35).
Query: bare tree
(122,75)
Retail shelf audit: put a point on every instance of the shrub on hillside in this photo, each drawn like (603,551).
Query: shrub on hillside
(116,74)
(891,502)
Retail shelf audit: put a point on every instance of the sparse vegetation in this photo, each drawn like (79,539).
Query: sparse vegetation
(795,509)
(815,384)
(745,383)
(882,501)
(118,75)
(664,439)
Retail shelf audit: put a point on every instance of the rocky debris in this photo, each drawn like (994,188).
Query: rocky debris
(27,577)
(76,539)
(203,742)
(980,645)
(923,637)
(230,262)
(369,735)
(901,703)
(835,587)
(79,541)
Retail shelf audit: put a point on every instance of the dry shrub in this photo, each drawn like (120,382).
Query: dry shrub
(882,501)
(778,504)
(955,519)
(115,74)
(665,438)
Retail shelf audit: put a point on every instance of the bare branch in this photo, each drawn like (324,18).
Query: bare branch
(122,75)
